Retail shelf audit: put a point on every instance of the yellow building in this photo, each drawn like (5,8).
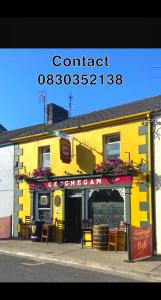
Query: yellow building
(74,192)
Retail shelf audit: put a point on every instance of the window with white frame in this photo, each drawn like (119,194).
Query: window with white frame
(106,206)
(112,147)
(44,207)
(44,156)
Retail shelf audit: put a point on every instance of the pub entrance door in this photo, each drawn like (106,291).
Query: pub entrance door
(73,216)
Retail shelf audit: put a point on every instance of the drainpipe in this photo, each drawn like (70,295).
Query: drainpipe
(152,150)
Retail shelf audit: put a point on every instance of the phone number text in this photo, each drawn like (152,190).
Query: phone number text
(78,79)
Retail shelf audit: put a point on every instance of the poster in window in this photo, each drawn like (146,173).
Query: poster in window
(43,201)
(65,151)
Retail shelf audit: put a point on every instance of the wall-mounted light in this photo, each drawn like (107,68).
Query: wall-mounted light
(129,157)
(144,122)
(67,173)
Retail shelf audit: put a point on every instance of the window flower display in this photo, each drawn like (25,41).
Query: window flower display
(42,172)
(116,167)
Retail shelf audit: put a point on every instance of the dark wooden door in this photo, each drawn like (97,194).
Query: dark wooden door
(73,214)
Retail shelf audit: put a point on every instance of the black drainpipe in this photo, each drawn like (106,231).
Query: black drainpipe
(152,136)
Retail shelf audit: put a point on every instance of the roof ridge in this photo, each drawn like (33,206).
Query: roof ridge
(28,127)
(116,106)
(92,117)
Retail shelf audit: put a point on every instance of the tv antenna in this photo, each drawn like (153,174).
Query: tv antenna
(43,99)
(70,104)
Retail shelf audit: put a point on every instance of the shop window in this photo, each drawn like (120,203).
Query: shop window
(106,206)
(44,207)
(44,157)
(112,147)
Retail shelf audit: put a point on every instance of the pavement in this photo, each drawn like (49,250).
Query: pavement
(73,255)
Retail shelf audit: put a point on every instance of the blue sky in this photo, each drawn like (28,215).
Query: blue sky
(20,104)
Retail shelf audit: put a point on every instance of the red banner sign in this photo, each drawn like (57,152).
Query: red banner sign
(5,227)
(65,151)
(82,182)
(140,240)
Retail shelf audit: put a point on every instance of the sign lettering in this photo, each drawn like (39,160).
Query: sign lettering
(140,242)
(5,227)
(79,183)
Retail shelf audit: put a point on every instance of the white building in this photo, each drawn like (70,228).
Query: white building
(6,181)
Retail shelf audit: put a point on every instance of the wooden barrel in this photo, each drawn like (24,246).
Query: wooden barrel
(100,237)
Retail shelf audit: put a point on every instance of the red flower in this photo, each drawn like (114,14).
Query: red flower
(42,172)
(115,167)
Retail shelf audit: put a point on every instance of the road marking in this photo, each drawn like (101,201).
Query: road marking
(32,263)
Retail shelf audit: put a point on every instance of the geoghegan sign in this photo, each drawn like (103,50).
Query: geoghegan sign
(86,182)
(140,240)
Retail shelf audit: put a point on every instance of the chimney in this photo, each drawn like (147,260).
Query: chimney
(56,113)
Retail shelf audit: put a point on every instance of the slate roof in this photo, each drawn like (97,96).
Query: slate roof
(149,104)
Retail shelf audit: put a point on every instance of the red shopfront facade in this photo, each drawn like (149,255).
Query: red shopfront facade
(104,199)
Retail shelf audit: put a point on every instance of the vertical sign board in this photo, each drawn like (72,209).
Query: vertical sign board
(140,242)
(5,227)
(65,151)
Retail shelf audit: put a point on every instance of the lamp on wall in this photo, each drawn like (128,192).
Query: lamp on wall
(79,171)
(144,122)
(129,156)
(67,173)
